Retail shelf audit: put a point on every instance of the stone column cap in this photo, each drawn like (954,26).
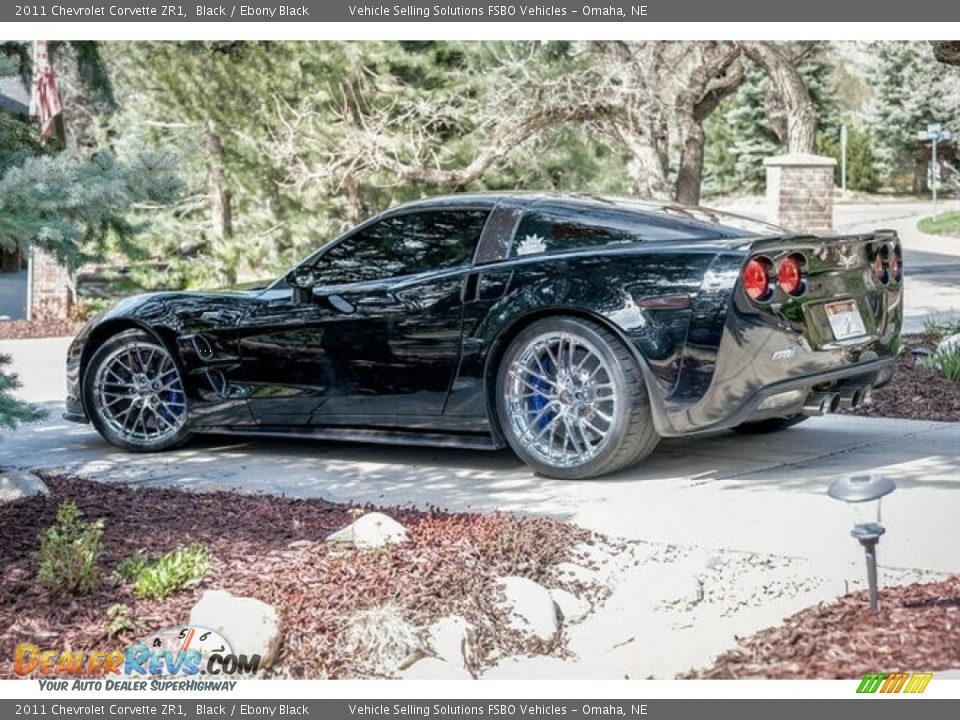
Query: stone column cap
(799,160)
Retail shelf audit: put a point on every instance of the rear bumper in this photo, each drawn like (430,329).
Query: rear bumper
(863,374)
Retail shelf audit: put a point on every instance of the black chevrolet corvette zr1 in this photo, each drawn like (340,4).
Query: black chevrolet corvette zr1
(578,330)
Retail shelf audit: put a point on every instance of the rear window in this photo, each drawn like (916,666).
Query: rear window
(546,229)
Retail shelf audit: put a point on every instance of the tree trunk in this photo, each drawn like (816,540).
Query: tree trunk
(789,108)
(354,208)
(221,211)
(718,75)
(646,143)
(690,167)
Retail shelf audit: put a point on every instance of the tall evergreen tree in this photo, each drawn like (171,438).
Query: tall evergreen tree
(911,91)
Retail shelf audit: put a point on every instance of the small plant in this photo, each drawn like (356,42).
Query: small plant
(935,326)
(69,551)
(120,619)
(171,573)
(130,567)
(948,363)
(379,639)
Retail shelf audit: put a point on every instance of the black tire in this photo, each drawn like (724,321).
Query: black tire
(630,435)
(770,425)
(172,430)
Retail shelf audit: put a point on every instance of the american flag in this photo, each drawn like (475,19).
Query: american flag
(44,98)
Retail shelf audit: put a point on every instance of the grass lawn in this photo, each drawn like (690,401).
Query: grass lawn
(944,224)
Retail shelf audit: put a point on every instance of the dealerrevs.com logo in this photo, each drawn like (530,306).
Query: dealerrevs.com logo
(911,683)
(156,663)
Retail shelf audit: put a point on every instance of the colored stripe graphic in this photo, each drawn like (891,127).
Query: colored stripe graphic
(871,682)
(918,682)
(914,683)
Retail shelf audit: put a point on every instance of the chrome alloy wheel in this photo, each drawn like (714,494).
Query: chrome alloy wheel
(560,399)
(139,393)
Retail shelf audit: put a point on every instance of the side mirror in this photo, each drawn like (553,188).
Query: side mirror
(302,280)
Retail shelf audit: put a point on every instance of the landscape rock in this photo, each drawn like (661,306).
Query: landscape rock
(451,639)
(948,345)
(17,484)
(371,530)
(250,626)
(572,608)
(530,606)
(430,668)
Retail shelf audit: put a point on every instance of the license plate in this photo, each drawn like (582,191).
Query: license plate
(845,319)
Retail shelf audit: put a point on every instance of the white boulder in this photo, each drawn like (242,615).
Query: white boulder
(452,639)
(949,345)
(249,625)
(531,608)
(371,530)
(16,485)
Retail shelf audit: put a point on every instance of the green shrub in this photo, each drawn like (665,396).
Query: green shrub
(69,551)
(171,573)
(130,568)
(947,363)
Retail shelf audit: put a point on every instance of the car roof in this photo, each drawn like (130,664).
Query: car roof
(641,206)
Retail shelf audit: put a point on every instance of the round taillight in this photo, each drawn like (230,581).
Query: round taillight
(756,279)
(790,275)
(894,264)
(881,266)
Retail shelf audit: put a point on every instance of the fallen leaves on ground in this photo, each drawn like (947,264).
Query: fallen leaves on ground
(915,392)
(917,629)
(29,329)
(273,549)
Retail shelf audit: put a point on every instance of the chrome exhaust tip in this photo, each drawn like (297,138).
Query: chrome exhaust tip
(854,397)
(821,403)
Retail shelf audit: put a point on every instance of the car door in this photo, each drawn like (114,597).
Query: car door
(377,340)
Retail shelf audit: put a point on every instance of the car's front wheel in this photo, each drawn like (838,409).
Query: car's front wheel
(134,393)
(572,401)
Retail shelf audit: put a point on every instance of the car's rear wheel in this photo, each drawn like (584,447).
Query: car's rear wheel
(572,401)
(770,425)
(134,393)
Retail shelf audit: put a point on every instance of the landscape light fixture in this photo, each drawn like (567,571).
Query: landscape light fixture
(864,493)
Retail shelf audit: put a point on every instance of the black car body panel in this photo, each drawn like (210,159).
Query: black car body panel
(414,355)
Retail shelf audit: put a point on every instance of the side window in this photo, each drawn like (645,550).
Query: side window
(403,245)
(555,229)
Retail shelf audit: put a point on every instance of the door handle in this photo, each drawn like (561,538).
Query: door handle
(469,290)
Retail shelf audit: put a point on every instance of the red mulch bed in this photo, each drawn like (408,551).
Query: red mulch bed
(915,392)
(916,630)
(24,329)
(273,548)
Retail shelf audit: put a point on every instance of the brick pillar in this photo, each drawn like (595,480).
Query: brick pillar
(800,192)
(49,287)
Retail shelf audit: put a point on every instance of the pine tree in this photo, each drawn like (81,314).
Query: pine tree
(12,410)
(74,204)
(911,91)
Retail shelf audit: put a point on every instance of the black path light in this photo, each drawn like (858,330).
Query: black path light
(864,492)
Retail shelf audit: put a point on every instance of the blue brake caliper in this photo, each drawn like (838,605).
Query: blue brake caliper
(172,395)
(539,401)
